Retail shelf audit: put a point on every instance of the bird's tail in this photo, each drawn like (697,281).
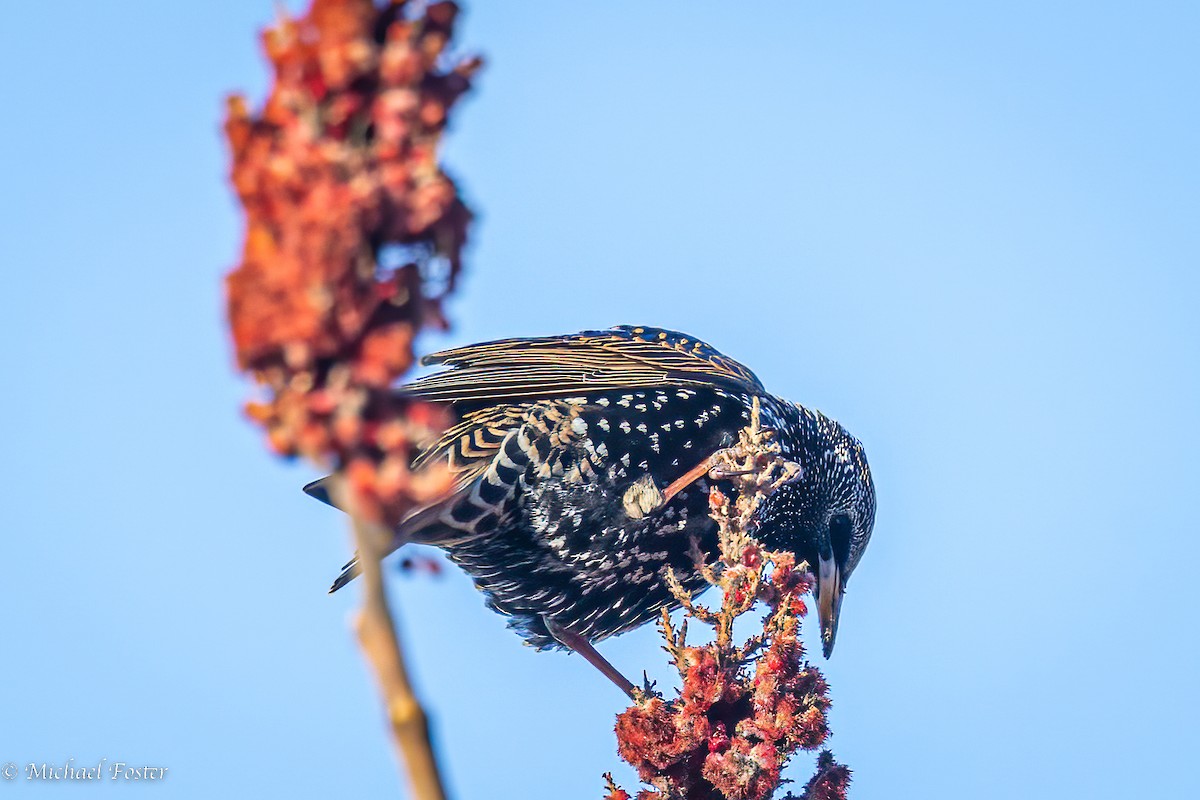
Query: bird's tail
(319,489)
(349,573)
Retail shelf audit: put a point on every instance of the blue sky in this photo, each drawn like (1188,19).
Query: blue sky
(967,231)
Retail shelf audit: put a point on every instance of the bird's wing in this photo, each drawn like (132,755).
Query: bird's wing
(512,420)
(488,453)
(485,478)
(561,366)
(469,450)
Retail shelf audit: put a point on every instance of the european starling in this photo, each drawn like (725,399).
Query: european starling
(581,475)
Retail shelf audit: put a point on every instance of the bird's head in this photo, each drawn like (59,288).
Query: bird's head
(826,516)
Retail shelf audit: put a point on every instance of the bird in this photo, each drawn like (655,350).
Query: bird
(580,476)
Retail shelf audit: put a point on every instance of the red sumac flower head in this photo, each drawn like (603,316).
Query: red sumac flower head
(743,709)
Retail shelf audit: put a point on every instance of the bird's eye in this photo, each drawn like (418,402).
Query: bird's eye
(839,536)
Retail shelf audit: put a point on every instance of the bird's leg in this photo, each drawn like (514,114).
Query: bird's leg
(687,479)
(573,641)
(697,472)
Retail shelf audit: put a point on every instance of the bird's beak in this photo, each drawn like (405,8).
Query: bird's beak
(829,601)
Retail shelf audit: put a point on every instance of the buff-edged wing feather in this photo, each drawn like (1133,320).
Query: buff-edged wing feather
(624,357)
(488,453)
(468,450)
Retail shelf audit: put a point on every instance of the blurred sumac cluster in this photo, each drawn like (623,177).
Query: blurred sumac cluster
(354,234)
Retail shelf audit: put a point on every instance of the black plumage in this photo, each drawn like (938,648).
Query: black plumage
(562,453)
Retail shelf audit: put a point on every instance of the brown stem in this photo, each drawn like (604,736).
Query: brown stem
(382,649)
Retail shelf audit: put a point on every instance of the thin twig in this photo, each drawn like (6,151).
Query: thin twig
(381,647)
